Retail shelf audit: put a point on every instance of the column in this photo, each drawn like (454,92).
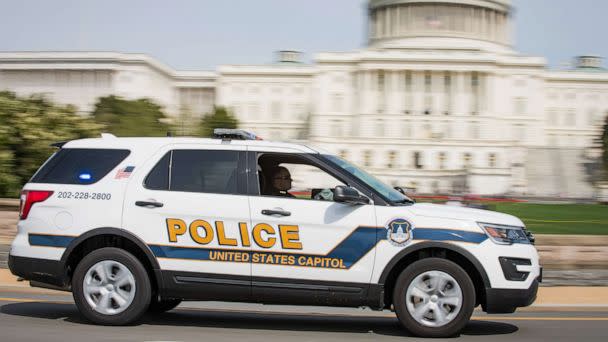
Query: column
(398,23)
(387,18)
(357,102)
(369,90)
(489,94)
(397,91)
(459,93)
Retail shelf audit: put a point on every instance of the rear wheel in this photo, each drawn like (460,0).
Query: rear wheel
(111,287)
(434,298)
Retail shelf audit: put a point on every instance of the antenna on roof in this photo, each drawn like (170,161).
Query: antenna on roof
(107,135)
(169,134)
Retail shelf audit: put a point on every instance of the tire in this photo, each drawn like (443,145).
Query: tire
(122,298)
(163,305)
(438,314)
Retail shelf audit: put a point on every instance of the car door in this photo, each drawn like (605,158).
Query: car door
(189,205)
(309,251)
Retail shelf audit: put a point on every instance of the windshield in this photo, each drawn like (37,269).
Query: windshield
(385,191)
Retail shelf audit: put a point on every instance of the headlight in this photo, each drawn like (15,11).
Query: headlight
(505,235)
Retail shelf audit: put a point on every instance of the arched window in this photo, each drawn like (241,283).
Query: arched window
(406,130)
(441,160)
(571,117)
(336,129)
(474,130)
(591,117)
(418,160)
(379,128)
(391,159)
(426,131)
(467,160)
(367,158)
(428,82)
(492,160)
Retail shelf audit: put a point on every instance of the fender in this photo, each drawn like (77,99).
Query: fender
(431,244)
(111,231)
(118,232)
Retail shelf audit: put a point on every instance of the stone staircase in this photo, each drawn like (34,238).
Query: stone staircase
(557,172)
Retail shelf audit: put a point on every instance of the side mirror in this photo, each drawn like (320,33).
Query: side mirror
(346,194)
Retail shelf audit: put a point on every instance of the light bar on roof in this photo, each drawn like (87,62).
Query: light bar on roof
(233,134)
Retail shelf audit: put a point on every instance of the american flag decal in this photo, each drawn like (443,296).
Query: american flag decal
(124,172)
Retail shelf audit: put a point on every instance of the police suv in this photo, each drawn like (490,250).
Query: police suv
(132,225)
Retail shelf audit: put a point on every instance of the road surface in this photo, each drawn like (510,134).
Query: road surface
(31,315)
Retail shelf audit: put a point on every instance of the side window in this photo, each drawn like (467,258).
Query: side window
(79,165)
(203,171)
(158,178)
(291,176)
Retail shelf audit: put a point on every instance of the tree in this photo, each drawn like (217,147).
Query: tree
(219,118)
(129,118)
(8,181)
(27,128)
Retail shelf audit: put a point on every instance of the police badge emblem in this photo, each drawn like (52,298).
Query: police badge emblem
(399,232)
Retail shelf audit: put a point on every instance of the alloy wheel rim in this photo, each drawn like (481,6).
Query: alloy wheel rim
(109,287)
(434,298)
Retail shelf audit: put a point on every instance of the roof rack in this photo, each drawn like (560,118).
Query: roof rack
(234,134)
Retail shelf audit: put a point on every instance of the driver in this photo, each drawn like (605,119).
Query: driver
(280,181)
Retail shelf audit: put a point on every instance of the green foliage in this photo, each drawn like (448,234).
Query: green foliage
(130,118)
(27,128)
(219,118)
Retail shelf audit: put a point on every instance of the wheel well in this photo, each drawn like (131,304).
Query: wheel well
(434,252)
(109,240)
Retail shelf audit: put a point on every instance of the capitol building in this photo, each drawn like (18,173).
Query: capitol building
(437,101)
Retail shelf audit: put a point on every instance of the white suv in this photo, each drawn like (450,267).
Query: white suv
(131,225)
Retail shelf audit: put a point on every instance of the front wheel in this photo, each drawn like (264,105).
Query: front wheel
(111,287)
(434,298)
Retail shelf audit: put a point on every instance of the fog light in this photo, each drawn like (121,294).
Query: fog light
(509,268)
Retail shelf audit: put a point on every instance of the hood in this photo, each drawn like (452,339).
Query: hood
(463,213)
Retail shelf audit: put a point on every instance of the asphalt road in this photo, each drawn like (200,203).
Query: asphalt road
(30,316)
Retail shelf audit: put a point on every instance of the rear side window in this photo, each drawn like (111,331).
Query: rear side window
(158,178)
(198,171)
(79,166)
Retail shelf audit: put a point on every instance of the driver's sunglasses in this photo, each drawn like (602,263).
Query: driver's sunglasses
(283,178)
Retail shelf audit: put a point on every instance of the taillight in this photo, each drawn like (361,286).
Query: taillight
(28,198)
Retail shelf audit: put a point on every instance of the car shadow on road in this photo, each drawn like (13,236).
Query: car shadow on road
(209,318)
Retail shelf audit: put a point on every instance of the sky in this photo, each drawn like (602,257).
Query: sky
(202,34)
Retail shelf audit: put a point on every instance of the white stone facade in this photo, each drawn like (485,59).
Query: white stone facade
(80,78)
(438,101)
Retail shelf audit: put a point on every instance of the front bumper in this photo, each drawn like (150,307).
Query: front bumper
(501,301)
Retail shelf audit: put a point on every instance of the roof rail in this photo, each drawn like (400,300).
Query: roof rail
(58,144)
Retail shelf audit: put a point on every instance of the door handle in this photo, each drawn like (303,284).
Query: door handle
(148,204)
(279,212)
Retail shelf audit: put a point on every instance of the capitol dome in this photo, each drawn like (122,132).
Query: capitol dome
(480,24)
